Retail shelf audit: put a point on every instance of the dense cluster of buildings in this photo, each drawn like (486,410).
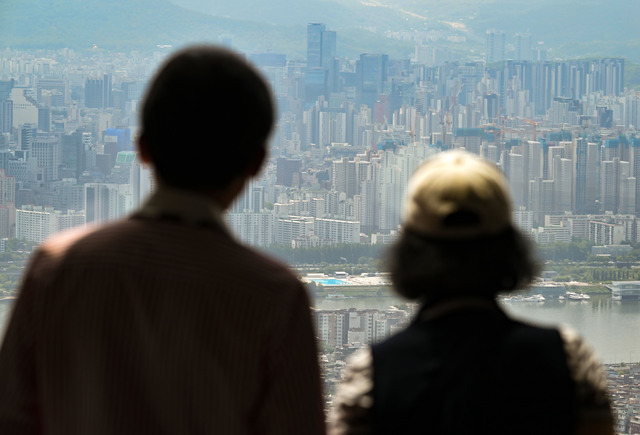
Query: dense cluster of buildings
(625,396)
(350,133)
(356,328)
(342,332)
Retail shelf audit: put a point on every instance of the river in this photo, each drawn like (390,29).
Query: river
(611,327)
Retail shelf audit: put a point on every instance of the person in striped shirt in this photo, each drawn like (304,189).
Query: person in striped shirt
(163,323)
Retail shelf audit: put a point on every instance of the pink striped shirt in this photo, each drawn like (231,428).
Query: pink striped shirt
(160,323)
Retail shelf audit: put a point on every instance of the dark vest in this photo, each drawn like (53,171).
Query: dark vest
(473,371)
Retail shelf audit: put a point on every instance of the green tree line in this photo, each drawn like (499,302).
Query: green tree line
(578,250)
(337,254)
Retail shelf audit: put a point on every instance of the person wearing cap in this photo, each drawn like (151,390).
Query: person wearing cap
(463,366)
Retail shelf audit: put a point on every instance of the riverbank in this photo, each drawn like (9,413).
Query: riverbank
(590,289)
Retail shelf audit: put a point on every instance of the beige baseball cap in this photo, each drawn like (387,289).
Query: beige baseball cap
(457,195)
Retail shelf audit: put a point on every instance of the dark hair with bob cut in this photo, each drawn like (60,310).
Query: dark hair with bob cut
(206,114)
(429,269)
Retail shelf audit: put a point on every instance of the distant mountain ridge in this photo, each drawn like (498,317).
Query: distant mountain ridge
(143,24)
(118,24)
(573,28)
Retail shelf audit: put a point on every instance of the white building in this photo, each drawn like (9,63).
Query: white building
(605,233)
(338,231)
(332,326)
(35,223)
(523,219)
(255,229)
(23,169)
(384,239)
(291,227)
(551,234)
(106,202)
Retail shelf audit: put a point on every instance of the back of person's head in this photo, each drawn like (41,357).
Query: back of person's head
(458,237)
(205,115)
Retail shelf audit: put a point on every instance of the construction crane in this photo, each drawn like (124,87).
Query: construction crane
(443,129)
(456,92)
(492,127)
(414,127)
(501,127)
(445,116)
(418,109)
(535,128)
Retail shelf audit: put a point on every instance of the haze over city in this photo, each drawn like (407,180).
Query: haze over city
(365,92)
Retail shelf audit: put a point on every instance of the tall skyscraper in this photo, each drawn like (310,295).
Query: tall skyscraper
(495,46)
(524,49)
(314,44)
(580,176)
(320,76)
(6,106)
(73,154)
(371,74)
(26,136)
(97,92)
(7,204)
(105,202)
(46,149)
(609,185)
(93,93)
(321,46)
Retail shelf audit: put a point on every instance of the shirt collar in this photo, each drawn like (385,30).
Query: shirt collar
(184,206)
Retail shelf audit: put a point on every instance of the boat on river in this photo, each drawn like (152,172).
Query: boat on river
(573,296)
(521,298)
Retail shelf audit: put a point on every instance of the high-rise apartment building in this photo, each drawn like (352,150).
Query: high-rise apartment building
(26,135)
(7,205)
(609,186)
(36,223)
(580,176)
(253,228)
(142,183)
(332,326)
(106,202)
(343,177)
(7,188)
(288,228)
(563,178)
(337,231)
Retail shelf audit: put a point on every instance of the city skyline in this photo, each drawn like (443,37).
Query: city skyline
(349,134)
(352,125)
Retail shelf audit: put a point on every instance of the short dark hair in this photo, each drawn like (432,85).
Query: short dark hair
(428,269)
(204,116)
